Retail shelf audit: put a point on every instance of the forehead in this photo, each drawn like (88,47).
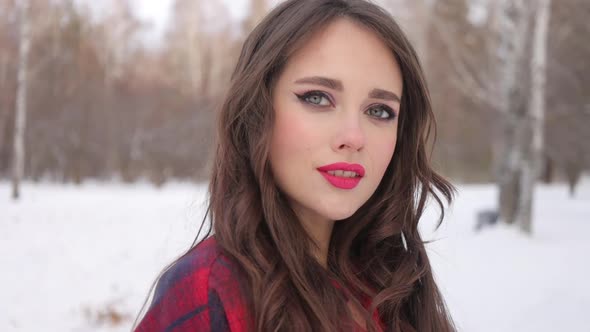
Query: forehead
(348,51)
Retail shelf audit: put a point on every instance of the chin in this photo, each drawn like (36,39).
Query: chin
(340,214)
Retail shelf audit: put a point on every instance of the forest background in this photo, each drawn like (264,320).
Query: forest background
(84,95)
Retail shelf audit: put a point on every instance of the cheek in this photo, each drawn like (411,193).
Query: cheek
(294,133)
(384,148)
(390,146)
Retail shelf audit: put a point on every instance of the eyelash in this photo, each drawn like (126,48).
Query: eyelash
(304,98)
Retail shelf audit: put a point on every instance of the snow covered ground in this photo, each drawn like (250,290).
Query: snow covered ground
(83,258)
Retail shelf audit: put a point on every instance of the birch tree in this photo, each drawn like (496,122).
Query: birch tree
(523,101)
(536,115)
(512,87)
(504,89)
(511,24)
(21,99)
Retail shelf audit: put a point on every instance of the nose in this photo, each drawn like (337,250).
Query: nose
(350,134)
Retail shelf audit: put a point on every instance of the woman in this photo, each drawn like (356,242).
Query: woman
(319,180)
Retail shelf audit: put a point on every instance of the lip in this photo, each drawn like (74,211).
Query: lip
(339,181)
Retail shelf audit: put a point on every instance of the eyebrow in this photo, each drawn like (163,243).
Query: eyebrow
(337,85)
(323,81)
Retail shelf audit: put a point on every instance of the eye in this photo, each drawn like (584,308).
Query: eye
(316,98)
(381,112)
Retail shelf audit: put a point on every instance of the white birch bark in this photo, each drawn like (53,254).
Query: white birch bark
(18,160)
(536,115)
(510,23)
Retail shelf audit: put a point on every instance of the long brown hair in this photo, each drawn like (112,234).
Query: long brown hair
(287,289)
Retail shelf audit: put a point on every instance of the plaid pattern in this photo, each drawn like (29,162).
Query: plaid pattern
(200,292)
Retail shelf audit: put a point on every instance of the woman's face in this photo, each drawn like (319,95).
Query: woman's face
(336,108)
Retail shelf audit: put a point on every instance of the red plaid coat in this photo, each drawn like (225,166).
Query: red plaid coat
(200,292)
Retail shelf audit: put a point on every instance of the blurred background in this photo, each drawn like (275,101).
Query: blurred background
(107,113)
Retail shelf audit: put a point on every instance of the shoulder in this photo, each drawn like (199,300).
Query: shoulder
(193,269)
(200,290)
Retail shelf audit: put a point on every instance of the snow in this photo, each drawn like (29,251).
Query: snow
(72,255)
(502,280)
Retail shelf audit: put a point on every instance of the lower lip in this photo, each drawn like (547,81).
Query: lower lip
(340,181)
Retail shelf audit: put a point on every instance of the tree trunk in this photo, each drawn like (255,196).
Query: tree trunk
(548,171)
(510,23)
(536,114)
(18,160)
(573,172)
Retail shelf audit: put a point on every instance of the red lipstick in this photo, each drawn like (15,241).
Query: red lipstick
(341,181)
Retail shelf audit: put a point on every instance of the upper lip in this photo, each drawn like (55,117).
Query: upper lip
(358,169)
